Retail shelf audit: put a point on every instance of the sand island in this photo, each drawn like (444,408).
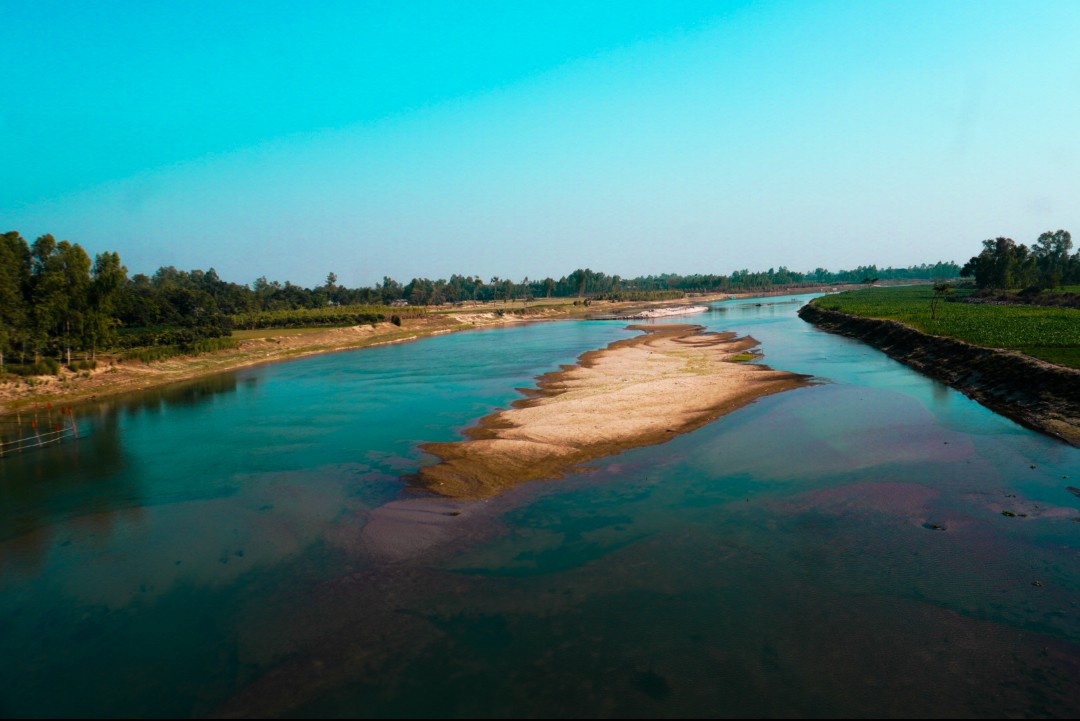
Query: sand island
(635,392)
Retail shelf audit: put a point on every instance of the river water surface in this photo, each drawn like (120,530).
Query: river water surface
(245,545)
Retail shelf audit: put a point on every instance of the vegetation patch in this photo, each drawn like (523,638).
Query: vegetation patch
(43,367)
(1052,334)
(164,352)
(323,317)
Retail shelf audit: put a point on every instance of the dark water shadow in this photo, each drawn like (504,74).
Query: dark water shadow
(86,475)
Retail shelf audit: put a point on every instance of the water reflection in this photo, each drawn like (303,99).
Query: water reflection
(72,478)
(188,393)
(84,476)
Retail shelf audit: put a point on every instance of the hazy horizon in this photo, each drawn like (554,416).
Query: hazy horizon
(508,139)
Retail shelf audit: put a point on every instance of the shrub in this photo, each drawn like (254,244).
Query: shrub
(82,365)
(44,367)
(344,315)
(396,320)
(151,354)
(164,352)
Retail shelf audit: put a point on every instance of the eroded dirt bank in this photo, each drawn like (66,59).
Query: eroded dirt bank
(1040,395)
(636,392)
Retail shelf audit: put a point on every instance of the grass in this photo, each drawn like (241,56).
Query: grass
(274,332)
(331,316)
(1052,334)
(154,353)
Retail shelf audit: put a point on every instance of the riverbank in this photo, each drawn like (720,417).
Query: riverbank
(1040,395)
(114,378)
(654,313)
(636,392)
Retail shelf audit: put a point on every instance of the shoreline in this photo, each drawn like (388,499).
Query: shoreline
(655,313)
(289,344)
(640,391)
(286,344)
(1036,394)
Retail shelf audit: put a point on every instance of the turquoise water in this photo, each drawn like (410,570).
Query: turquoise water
(834,550)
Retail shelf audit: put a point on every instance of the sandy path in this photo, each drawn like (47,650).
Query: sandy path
(636,392)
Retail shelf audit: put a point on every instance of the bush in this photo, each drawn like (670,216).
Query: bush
(151,354)
(344,315)
(83,365)
(44,367)
(396,320)
(642,295)
(164,352)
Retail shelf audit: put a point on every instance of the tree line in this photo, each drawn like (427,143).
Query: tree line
(55,301)
(1004,264)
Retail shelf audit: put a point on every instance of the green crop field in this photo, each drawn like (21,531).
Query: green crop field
(1052,334)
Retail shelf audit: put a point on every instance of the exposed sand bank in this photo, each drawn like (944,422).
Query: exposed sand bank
(636,392)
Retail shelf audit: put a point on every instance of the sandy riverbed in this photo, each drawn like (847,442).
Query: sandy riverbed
(636,392)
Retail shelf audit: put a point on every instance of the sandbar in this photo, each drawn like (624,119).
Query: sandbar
(637,391)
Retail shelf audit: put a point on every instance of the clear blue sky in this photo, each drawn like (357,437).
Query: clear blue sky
(509,138)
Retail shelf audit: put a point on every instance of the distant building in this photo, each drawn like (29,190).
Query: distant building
(400,302)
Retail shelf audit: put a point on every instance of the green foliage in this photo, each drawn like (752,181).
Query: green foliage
(1004,264)
(396,320)
(209,345)
(151,354)
(1049,333)
(164,352)
(642,295)
(56,302)
(306,317)
(82,365)
(164,335)
(43,367)
(1062,356)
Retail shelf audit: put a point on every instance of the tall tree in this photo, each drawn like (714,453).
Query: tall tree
(107,280)
(1001,264)
(14,287)
(1051,252)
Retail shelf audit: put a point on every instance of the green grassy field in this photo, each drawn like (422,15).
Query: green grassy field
(1052,334)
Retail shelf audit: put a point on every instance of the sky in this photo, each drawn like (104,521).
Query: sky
(420,139)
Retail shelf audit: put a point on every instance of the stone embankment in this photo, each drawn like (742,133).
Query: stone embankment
(1040,395)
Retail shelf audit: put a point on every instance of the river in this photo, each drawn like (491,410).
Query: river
(841,549)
